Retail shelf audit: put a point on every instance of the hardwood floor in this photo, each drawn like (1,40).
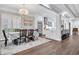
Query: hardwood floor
(69,46)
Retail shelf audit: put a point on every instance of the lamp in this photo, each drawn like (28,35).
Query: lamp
(23,11)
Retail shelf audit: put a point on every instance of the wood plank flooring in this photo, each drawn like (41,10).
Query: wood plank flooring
(69,46)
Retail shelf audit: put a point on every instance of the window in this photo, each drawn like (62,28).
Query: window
(9,21)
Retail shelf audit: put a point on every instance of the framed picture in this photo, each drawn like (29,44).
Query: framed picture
(45,20)
(28,21)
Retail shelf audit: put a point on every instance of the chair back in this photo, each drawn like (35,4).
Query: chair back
(23,33)
(4,35)
(30,33)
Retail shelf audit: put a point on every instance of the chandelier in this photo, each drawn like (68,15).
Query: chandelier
(23,10)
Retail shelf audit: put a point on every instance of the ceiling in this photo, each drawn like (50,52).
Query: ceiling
(75,9)
(72,10)
(34,9)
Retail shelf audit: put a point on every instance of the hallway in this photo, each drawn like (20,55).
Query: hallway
(69,46)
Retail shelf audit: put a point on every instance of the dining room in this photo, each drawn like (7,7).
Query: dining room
(23,27)
(20,28)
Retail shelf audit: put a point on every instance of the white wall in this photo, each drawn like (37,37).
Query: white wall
(53,34)
(75,24)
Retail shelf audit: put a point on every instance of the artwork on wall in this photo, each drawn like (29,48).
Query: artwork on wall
(45,22)
(28,21)
(49,23)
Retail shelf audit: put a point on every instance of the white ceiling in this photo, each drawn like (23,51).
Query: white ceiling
(71,9)
(75,9)
(61,8)
(34,9)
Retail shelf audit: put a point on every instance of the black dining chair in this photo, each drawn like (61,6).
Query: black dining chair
(15,41)
(6,39)
(30,35)
(23,35)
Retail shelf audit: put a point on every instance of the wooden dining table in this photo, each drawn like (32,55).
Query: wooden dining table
(17,34)
(13,35)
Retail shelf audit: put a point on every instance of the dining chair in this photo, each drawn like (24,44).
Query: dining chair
(23,35)
(15,41)
(36,34)
(30,35)
(6,39)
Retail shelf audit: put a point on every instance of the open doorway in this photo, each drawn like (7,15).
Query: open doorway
(75,31)
(40,26)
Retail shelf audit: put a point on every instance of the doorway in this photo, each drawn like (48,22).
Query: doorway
(40,28)
(75,31)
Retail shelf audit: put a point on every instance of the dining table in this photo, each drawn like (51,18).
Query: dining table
(13,35)
(17,34)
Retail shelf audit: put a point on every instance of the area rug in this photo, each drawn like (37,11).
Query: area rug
(12,49)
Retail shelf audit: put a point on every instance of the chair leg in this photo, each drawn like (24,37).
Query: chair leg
(25,40)
(5,43)
(20,40)
(31,38)
(28,39)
